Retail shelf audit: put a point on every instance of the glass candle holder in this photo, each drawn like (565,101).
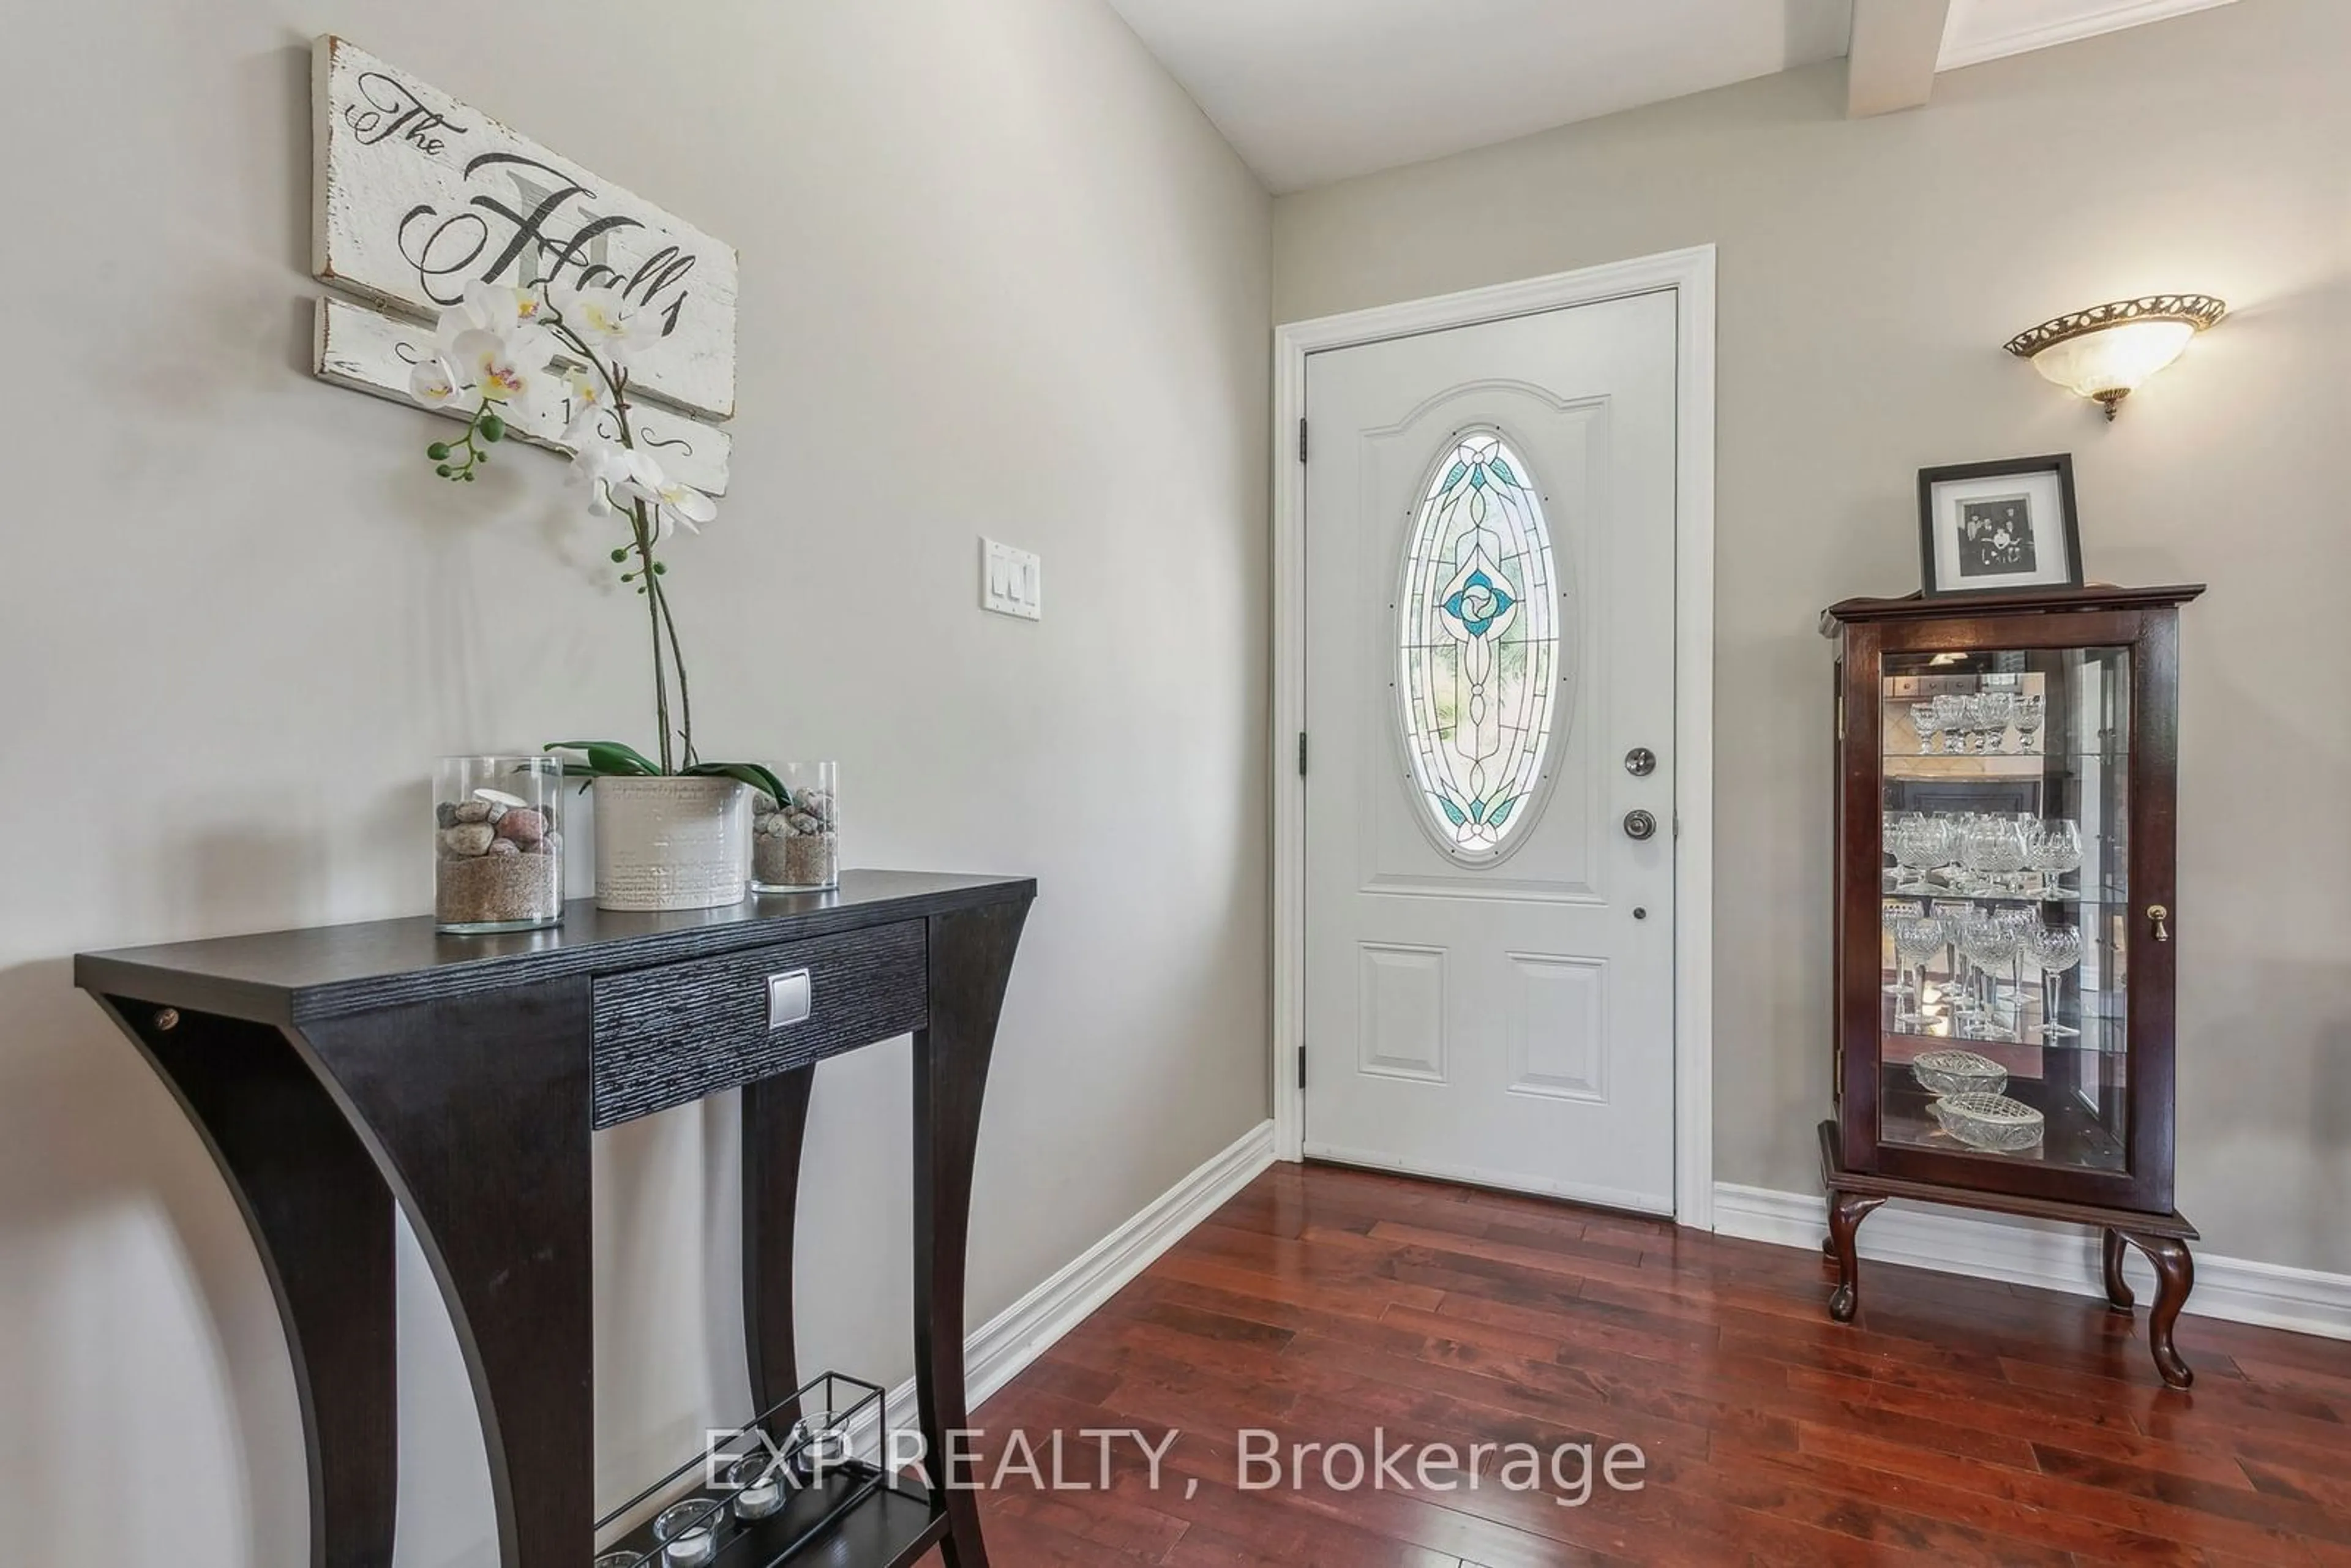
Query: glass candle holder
(497,843)
(688,1533)
(796,841)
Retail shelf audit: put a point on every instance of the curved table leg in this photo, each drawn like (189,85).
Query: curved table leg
(2175,1276)
(1846,1212)
(970,964)
(2118,1290)
(476,1109)
(321,1218)
(775,1126)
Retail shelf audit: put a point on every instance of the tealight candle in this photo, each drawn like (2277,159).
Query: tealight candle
(696,1546)
(759,1498)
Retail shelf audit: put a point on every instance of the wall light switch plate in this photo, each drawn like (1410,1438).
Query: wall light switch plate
(1011,582)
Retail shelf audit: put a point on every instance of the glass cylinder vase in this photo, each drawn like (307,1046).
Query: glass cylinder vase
(497,843)
(796,841)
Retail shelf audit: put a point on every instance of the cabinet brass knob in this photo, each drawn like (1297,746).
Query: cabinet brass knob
(2160,915)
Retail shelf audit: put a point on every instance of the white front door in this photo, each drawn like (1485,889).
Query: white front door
(1489,698)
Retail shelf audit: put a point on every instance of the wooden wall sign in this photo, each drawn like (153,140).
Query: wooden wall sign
(419,195)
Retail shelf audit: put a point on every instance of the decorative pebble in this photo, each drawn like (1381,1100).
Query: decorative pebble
(504,847)
(468,839)
(521,824)
(444,813)
(472,811)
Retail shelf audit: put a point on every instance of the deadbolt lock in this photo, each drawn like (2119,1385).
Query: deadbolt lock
(1640,762)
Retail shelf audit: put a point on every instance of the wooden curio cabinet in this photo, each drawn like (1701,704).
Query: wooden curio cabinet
(2006,925)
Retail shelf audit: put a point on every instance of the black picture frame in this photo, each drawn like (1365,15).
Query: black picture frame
(2006,557)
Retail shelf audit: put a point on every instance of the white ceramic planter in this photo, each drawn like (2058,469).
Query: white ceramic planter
(672,843)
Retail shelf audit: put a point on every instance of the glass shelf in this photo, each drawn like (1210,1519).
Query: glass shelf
(1894,893)
(2070,754)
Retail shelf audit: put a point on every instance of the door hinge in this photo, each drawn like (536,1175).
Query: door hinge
(1301,1067)
(1301,754)
(1301,440)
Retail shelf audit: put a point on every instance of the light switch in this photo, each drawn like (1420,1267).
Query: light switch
(1010,581)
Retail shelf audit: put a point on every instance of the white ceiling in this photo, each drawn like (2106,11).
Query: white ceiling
(1314,90)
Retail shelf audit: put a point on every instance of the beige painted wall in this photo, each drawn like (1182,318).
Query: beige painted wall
(1869,272)
(999,276)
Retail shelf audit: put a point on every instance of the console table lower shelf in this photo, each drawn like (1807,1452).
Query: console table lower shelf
(1854,1195)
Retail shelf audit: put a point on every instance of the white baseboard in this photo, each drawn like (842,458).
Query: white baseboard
(2036,1252)
(997,1353)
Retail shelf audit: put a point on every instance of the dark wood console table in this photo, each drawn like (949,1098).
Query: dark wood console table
(335,1071)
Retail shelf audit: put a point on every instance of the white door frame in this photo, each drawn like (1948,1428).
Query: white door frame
(1689,276)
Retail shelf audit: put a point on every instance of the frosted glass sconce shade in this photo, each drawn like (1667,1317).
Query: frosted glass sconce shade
(2107,352)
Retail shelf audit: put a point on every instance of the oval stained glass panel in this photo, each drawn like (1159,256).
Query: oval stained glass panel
(1479,643)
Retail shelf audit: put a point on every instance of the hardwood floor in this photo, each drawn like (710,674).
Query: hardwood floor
(1956,1421)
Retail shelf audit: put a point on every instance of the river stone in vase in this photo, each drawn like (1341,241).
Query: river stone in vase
(498,853)
(671,843)
(796,841)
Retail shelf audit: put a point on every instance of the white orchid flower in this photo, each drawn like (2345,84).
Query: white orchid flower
(674,505)
(589,399)
(517,315)
(605,321)
(613,476)
(496,366)
(434,383)
(682,506)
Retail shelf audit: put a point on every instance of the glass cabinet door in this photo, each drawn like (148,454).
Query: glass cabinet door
(2004,887)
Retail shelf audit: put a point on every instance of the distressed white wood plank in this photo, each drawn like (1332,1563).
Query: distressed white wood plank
(371,352)
(418,195)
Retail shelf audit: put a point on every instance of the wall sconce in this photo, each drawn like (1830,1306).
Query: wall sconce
(2106,352)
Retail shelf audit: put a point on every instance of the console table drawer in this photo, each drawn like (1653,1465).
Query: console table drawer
(669,1036)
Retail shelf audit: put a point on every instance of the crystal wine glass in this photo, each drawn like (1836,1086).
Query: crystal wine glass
(1923,719)
(1917,939)
(1988,941)
(1891,913)
(2055,848)
(2054,949)
(2032,712)
(1950,719)
(1994,853)
(1995,709)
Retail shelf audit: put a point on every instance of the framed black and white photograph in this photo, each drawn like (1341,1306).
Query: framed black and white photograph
(1997,527)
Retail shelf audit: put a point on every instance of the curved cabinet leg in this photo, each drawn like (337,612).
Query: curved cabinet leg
(775,1126)
(1846,1212)
(970,964)
(476,1111)
(2118,1290)
(2175,1276)
(321,1218)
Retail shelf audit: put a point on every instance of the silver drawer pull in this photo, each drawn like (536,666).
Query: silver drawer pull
(790,999)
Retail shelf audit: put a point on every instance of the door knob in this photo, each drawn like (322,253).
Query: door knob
(1640,825)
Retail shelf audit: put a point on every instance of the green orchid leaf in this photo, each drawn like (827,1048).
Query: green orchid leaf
(755,775)
(609,757)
